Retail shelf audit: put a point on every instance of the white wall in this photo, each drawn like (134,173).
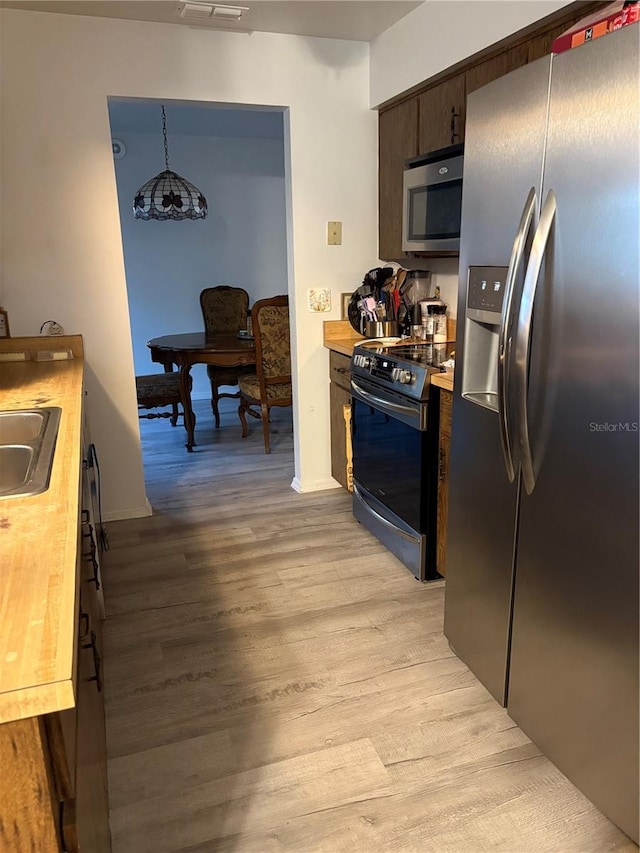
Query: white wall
(440,33)
(61,243)
(242,241)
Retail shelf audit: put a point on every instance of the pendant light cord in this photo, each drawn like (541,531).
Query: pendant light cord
(166,144)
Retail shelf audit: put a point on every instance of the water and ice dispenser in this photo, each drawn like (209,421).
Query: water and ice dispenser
(485,293)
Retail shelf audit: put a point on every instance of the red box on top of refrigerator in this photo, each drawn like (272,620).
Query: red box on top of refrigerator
(612,17)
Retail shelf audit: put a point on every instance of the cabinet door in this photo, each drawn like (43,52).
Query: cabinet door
(339,457)
(540,45)
(442,115)
(340,369)
(92,810)
(398,141)
(444,447)
(495,67)
(28,799)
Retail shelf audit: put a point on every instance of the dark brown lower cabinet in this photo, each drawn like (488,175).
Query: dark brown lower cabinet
(340,405)
(91,800)
(53,768)
(444,446)
(53,784)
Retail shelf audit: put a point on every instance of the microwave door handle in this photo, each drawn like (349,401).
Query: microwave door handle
(504,341)
(523,335)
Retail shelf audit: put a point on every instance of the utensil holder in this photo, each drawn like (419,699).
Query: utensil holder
(380,329)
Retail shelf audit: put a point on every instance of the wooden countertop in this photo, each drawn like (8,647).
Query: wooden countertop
(39,540)
(340,336)
(345,346)
(443,380)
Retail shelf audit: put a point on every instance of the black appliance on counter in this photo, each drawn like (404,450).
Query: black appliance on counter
(395,448)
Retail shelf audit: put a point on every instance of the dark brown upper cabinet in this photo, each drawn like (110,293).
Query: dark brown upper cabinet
(432,116)
(442,114)
(398,141)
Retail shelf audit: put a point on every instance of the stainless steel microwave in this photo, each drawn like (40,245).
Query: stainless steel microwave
(433,201)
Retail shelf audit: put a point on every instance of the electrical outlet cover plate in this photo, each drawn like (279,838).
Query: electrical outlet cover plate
(334,233)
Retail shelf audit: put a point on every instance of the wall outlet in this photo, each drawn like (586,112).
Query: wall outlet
(53,354)
(334,233)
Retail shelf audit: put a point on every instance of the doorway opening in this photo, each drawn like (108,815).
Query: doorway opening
(235,154)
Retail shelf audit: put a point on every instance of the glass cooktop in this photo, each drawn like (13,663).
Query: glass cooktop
(426,354)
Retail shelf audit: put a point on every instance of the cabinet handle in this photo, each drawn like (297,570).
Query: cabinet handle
(95,579)
(90,555)
(96,661)
(84,617)
(454,116)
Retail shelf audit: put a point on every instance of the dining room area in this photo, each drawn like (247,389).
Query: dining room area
(196,272)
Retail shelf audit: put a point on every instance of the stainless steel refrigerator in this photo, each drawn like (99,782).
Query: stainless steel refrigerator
(542,568)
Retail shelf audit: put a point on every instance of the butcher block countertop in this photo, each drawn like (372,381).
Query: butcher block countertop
(443,380)
(340,336)
(39,542)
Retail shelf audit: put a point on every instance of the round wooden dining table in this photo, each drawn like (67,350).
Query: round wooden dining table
(192,348)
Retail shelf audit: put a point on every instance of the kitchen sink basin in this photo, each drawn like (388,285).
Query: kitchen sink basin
(27,445)
(21,426)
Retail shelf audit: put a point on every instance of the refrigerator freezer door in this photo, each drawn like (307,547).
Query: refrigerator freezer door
(504,149)
(573,684)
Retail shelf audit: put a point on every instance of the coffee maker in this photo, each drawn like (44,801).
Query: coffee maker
(415,288)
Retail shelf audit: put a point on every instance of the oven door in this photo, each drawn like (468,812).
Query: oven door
(394,473)
(389,456)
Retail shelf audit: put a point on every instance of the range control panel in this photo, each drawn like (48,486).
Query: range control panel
(404,377)
(485,293)
(383,368)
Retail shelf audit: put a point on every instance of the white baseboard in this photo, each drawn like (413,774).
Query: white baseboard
(134,512)
(314,485)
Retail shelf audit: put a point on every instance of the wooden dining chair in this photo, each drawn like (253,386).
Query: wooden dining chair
(224,311)
(270,384)
(158,391)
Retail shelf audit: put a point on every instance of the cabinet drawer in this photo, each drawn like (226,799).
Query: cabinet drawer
(446,406)
(339,371)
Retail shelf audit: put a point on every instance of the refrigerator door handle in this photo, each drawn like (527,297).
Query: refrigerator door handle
(504,343)
(523,335)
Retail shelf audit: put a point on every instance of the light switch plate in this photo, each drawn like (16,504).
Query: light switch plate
(334,233)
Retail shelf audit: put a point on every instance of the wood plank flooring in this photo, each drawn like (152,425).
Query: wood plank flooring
(277,681)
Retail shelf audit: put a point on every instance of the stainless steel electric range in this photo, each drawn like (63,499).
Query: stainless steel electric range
(395,448)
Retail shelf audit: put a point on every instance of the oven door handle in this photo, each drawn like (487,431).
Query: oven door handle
(385,405)
(379,517)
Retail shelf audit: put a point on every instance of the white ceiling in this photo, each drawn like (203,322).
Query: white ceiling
(354,20)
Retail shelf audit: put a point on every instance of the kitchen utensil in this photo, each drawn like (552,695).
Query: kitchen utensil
(388,329)
(415,287)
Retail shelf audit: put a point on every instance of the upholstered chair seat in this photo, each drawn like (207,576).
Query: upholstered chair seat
(159,390)
(250,386)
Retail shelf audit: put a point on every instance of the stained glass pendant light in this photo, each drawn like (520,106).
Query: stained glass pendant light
(168,195)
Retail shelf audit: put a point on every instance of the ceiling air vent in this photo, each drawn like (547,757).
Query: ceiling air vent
(196,10)
(201,11)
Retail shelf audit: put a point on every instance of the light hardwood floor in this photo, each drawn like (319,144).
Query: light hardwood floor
(277,681)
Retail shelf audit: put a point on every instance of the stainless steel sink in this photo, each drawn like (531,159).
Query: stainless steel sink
(27,445)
